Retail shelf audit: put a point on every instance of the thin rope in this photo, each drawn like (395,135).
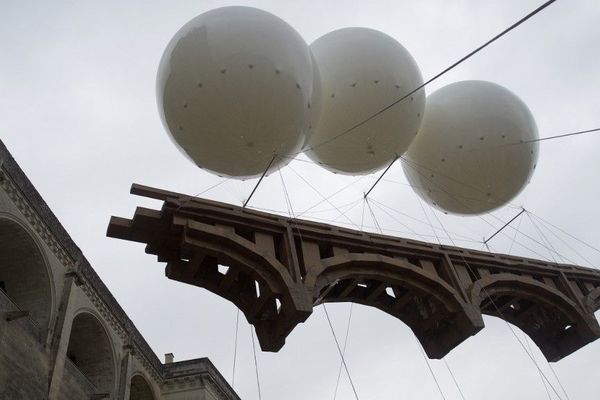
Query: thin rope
(428,224)
(565,232)
(419,343)
(410,164)
(324,198)
(444,359)
(395,219)
(373,216)
(337,343)
(429,221)
(585,259)
(255,363)
(337,383)
(235,347)
(543,238)
(336,219)
(552,369)
(515,236)
(504,226)
(502,315)
(330,196)
(382,175)
(362,216)
(526,337)
(342,353)
(541,377)
(558,380)
(448,69)
(595,130)
(454,378)
(430,369)
(259,181)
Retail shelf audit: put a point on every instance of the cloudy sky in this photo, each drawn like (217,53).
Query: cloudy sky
(78,112)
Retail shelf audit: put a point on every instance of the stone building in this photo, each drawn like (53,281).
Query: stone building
(62,334)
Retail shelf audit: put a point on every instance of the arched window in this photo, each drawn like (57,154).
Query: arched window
(140,389)
(90,350)
(23,273)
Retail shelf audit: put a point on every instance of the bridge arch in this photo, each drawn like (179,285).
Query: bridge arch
(25,275)
(424,302)
(555,323)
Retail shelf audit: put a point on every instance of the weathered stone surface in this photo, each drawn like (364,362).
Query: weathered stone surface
(51,348)
(23,360)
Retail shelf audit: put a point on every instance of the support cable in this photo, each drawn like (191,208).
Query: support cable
(515,236)
(541,377)
(324,198)
(565,232)
(504,226)
(549,365)
(454,379)
(428,223)
(410,164)
(330,196)
(526,337)
(446,70)
(418,343)
(502,316)
(544,240)
(337,343)
(353,203)
(444,359)
(430,369)
(543,224)
(595,130)
(341,352)
(373,216)
(259,181)
(235,347)
(558,380)
(337,383)
(382,175)
(255,363)
(343,361)
(362,215)
(395,219)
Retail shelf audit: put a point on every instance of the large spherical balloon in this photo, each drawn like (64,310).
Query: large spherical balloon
(234,87)
(362,71)
(316,103)
(474,152)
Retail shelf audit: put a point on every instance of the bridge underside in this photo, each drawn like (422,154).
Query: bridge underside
(275,270)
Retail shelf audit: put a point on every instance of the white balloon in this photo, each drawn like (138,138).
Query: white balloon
(316,103)
(362,71)
(474,152)
(234,87)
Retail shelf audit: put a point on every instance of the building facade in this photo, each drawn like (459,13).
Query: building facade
(62,333)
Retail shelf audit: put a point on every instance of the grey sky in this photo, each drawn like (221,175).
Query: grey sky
(78,112)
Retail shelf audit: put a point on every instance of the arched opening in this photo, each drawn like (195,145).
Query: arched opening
(428,305)
(552,321)
(90,350)
(23,273)
(140,389)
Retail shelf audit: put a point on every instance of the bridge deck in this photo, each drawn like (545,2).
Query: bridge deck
(276,269)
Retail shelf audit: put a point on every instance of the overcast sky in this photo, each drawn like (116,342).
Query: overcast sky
(78,112)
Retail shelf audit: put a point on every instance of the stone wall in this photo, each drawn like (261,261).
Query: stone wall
(23,360)
(77,343)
